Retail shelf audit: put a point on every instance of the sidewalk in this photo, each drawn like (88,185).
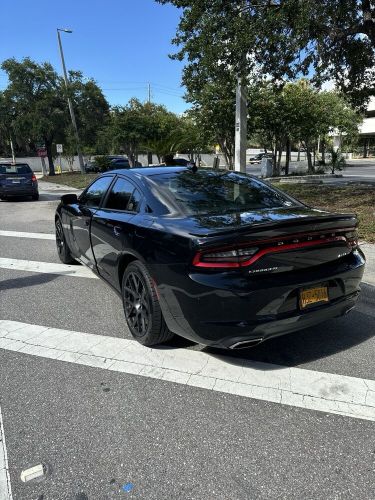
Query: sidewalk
(369,251)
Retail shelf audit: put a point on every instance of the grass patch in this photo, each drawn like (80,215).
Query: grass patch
(72,179)
(346,199)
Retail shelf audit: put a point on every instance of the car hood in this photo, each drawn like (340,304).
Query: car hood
(212,225)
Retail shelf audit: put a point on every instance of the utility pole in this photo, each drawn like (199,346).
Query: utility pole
(240,138)
(70,104)
(12,148)
(149,93)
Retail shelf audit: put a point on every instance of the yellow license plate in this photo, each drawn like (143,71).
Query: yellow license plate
(313,296)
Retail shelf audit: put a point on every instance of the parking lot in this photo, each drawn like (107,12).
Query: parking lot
(107,418)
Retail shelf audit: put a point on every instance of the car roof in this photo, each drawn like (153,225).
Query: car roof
(148,171)
(10,164)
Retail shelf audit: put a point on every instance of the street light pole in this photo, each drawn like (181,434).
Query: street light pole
(70,104)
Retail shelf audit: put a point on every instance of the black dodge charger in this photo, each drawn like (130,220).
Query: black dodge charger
(215,256)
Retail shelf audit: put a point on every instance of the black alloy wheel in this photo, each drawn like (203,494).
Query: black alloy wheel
(62,248)
(141,306)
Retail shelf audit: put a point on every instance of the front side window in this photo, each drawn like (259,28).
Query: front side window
(93,196)
(123,196)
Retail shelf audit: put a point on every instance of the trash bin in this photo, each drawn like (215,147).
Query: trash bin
(266,167)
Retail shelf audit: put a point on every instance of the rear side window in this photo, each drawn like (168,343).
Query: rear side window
(219,192)
(15,169)
(123,196)
(93,196)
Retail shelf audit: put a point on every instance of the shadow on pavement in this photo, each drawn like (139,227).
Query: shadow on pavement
(307,345)
(26,281)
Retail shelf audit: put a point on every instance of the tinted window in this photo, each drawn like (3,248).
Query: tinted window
(135,201)
(120,195)
(206,192)
(94,194)
(15,169)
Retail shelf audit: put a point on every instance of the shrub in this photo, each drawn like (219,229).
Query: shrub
(102,163)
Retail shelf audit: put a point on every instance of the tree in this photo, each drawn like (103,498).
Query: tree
(139,127)
(36,101)
(298,113)
(330,39)
(213,109)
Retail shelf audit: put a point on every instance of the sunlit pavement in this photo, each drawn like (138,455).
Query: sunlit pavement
(103,417)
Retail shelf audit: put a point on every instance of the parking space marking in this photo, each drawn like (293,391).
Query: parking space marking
(5,486)
(21,234)
(46,267)
(313,390)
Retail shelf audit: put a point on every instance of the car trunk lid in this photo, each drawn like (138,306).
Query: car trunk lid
(278,241)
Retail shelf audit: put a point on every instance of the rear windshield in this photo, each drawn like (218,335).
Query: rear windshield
(15,169)
(210,192)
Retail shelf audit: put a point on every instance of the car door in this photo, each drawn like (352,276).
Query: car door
(80,219)
(112,231)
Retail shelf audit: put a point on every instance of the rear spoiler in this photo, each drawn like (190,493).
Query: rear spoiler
(314,223)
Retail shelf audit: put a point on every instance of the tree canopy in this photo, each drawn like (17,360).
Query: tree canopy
(35,106)
(285,39)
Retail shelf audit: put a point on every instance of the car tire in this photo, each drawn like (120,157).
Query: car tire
(35,196)
(62,248)
(141,306)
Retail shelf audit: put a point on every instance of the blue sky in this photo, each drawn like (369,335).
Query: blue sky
(122,44)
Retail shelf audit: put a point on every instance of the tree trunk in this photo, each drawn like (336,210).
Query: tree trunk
(149,158)
(323,152)
(279,158)
(365,148)
(51,166)
(310,166)
(299,152)
(287,158)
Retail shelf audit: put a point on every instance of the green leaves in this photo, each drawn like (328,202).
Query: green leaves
(327,39)
(34,106)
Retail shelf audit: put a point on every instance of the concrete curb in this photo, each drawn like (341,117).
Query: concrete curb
(291,178)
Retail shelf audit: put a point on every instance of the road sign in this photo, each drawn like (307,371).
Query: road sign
(42,152)
(59,148)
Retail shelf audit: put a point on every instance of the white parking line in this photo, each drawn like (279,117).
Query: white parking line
(20,234)
(5,487)
(46,267)
(337,394)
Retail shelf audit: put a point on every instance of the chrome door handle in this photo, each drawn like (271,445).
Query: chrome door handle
(116,230)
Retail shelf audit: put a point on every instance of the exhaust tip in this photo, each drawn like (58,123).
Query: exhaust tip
(245,344)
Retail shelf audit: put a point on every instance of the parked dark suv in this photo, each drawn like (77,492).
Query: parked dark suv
(17,179)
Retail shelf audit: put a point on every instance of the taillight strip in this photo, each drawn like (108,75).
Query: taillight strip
(264,251)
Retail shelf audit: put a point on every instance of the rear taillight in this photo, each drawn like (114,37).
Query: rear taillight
(234,257)
(242,256)
(33,178)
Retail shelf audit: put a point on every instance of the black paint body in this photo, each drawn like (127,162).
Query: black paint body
(219,307)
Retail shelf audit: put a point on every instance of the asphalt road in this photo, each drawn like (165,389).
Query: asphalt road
(123,431)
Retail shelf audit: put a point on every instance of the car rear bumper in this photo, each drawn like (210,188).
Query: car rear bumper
(18,190)
(218,312)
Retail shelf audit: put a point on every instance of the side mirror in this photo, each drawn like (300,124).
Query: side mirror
(69,199)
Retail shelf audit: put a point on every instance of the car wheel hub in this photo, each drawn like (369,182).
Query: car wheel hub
(137,308)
